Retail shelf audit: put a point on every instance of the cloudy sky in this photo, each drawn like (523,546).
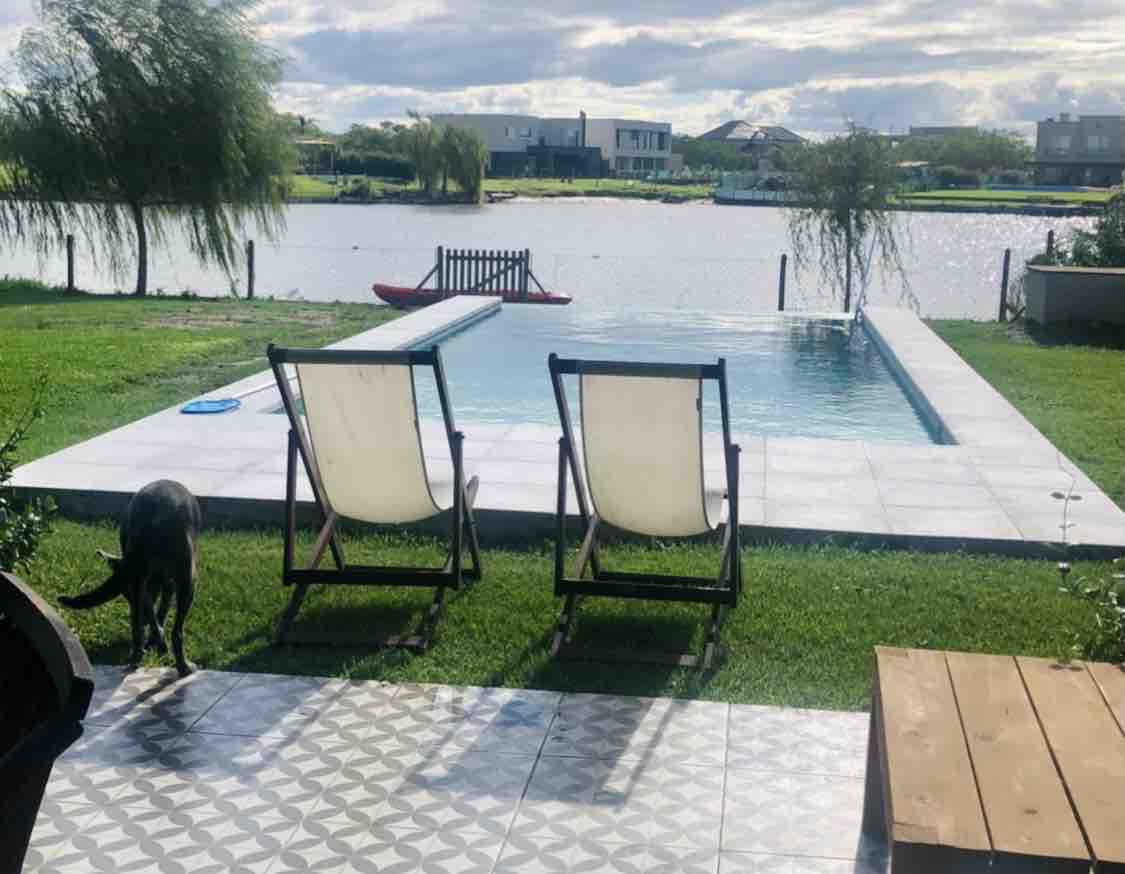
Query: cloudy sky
(806,64)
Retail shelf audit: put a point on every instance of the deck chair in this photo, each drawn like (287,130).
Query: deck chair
(361,447)
(642,443)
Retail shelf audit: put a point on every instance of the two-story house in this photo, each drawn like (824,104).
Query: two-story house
(581,146)
(1087,150)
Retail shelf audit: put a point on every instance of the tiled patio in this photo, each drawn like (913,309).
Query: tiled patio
(227,772)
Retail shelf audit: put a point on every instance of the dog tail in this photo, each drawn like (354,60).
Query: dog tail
(107,591)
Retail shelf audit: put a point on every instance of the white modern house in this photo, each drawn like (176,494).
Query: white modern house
(631,146)
(520,144)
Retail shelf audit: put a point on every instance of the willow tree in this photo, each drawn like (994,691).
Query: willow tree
(841,215)
(465,156)
(136,118)
(422,143)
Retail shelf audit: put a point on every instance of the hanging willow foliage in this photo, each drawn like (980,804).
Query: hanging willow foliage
(841,213)
(136,118)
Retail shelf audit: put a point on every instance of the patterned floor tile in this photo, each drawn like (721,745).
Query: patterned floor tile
(625,801)
(792,814)
(388,786)
(761,863)
(534,855)
(55,824)
(265,704)
(494,720)
(355,711)
(143,840)
(609,726)
(105,760)
(797,741)
(229,774)
(342,848)
(155,694)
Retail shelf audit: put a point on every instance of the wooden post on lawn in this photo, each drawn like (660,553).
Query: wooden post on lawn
(249,269)
(1004,285)
(70,289)
(781,284)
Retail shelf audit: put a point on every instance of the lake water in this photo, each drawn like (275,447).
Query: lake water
(611,255)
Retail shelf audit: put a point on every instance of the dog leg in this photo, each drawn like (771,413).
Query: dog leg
(156,638)
(137,623)
(156,634)
(185,593)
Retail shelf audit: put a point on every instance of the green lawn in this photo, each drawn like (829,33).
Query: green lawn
(1011,198)
(1072,388)
(112,359)
(304,186)
(802,636)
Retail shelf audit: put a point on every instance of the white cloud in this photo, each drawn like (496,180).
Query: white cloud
(803,63)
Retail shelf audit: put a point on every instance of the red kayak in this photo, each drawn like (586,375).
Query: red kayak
(402,297)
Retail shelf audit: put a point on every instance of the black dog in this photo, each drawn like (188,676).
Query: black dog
(157,556)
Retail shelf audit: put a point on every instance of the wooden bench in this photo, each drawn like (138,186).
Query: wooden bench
(1010,762)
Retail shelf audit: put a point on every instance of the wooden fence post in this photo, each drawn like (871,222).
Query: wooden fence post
(1004,286)
(1051,242)
(249,269)
(781,284)
(70,264)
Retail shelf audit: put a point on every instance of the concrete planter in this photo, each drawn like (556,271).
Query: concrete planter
(1064,294)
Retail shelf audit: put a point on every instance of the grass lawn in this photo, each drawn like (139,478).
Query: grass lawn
(802,636)
(112,359)
(1012,198)
(1072,388)
(304,186)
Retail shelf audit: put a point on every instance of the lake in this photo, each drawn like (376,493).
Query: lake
(611,255)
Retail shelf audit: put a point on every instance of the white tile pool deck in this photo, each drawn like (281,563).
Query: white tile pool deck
(227,772)
(989,491)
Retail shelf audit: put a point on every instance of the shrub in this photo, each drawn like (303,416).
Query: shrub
(20,526)
(359,189)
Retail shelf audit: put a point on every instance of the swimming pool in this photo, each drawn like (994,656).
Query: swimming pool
(787,376)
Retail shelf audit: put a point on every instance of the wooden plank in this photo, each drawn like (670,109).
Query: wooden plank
(1111,681)
(1025,804)
(1089,750)
(932,797)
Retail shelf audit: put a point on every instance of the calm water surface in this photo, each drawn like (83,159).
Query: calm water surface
(785,376)
(613,256)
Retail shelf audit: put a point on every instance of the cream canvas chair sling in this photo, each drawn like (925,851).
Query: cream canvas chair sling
(642,446)
(359,441)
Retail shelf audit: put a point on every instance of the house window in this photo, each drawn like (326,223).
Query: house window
(1097,144)
(661,141)
(509,133)
(618,132)
(525,133)
(1060,144)
(636,138)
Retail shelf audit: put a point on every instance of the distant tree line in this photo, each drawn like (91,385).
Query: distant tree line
(961,159)
(432,154)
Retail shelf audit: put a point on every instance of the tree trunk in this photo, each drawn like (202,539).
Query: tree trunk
(848,264)
(142,248)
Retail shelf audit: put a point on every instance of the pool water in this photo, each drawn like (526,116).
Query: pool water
(786,376)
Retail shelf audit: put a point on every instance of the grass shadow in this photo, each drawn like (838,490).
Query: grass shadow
(1100,335)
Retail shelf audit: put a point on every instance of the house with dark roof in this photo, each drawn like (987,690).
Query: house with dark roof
(753,137)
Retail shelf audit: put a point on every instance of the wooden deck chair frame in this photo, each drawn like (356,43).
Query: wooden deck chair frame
(720,591)
(463,530)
